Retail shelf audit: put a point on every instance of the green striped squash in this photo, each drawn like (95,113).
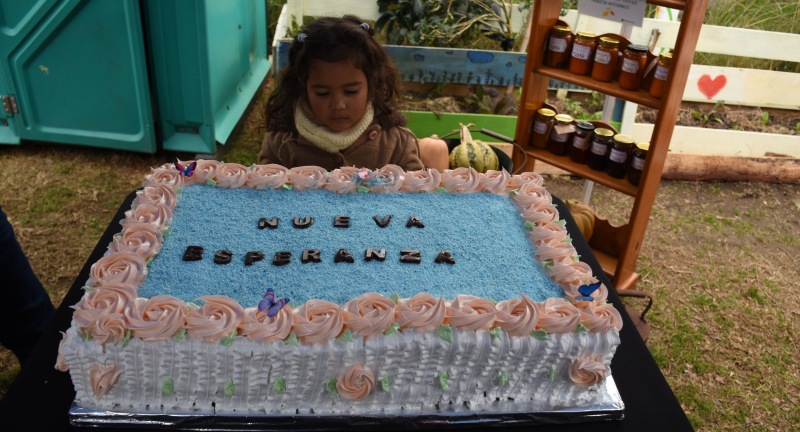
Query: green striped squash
(473,153)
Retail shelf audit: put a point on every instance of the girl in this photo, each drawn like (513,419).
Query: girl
(336,104)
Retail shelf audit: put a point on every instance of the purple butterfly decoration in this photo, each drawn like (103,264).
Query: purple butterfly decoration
(269,305)
(586,291)
(186,171)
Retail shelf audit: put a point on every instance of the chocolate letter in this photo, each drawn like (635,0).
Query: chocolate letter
(341,221)
(268,223)
(282,258)
(444,257)
(193,253)
(302,223)
(343,256)
(223,256)
(383,223)
(310,255)
(371,254)
(414,221)
(253,256)
(410,256)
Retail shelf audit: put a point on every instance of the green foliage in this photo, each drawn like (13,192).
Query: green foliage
(706,118)
(488,100)
(591,109)
(764,118)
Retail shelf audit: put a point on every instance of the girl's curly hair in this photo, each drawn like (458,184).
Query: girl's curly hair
(333,39)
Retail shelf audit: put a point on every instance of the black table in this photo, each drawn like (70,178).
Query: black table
(41,396)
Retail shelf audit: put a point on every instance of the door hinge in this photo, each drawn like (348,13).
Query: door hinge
(10,105)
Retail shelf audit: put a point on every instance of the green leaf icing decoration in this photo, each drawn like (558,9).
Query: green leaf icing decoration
(581,329)
(192,305)
(86,335)
(502,378)
(126,338)
(230,387)
(442,378)
(211,182)
(167,387)
(330,386)
(445,332)
(166,232)
(442,190)
(539,334)
(362,189)
(279,386)
(292,340)
(147,263)
(496,333)
(552,374)
(87,288)
(181,335)
(347,336)
(228,340)
(395,298)
(384,382)
(393,329)
(529,225)
(512,193)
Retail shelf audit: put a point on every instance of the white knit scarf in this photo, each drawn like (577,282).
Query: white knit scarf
(324,138)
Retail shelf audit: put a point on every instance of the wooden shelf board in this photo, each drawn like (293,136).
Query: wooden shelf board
(640,97)
(609,265)
(675,4)
(600,177)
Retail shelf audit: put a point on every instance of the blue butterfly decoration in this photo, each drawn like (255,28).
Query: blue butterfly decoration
(186,171)
(587,290)
(269,305)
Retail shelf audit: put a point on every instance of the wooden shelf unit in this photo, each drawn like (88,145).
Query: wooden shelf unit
(620,268)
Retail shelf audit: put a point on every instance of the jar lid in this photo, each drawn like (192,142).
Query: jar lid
(585,34)
(606,40)
(603,132)
(637,48)
(666,55)
(644,146)
(546,112)
(584,125)
(564,118)
(623,139)
(562,29)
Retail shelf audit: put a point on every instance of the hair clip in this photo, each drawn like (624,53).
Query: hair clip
(365,26)
(301,37)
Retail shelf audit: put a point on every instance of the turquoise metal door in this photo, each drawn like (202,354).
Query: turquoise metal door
(74,72)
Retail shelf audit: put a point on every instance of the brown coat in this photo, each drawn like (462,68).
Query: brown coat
(375,148)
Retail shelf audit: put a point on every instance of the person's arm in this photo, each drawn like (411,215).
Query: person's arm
(266,155)
(406,153)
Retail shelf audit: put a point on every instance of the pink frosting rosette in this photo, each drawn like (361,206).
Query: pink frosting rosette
(370,314)
(468,312)
(555,251)
(548,231)
(355,383)
(126,268)
(539,212)
(112,298)
(518,180)
(157,318)
(61,364)
(518,317)
(102,378)
(157,194)
(109,328)
(599,317)
(307,177)
(164,176)
(494,181)
(217,318)
(422,313)
(343,180)
(269,176)
(140,238)
(424,180)
(231,175)
(387,179)
(205,170)
(257,325)
(318,321)
(155,214)
(460,180)
(587,371)
(558,316)
(530,194)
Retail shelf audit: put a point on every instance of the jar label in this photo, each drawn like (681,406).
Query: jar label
(602,57)
(599,148)
(540,127)
(637,163)
(630,66)
(581,52)
(661,73)
(580,142)
(618,156)
(557,45)
(557,137)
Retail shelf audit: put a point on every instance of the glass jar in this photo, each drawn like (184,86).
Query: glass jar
(581,139)
(660,75)
(598,152)
(542,124)
(559,45)
(638,157)
(561,134)
(606,58)
(580,62)
(634,60)
(621,148)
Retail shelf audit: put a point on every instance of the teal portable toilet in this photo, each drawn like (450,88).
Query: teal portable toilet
(129,74)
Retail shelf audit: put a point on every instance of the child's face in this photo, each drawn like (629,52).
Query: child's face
(337,93)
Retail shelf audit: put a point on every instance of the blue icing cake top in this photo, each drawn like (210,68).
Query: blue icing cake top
(482,231)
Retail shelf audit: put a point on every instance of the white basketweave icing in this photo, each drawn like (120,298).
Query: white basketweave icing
(546,355)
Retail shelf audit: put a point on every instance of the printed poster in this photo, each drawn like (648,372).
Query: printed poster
(624,11)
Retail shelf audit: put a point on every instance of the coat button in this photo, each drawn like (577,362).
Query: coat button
(372,135)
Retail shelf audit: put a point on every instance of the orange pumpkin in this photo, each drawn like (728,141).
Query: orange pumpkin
(584,217)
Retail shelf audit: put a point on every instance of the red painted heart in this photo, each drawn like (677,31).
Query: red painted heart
(710,87)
